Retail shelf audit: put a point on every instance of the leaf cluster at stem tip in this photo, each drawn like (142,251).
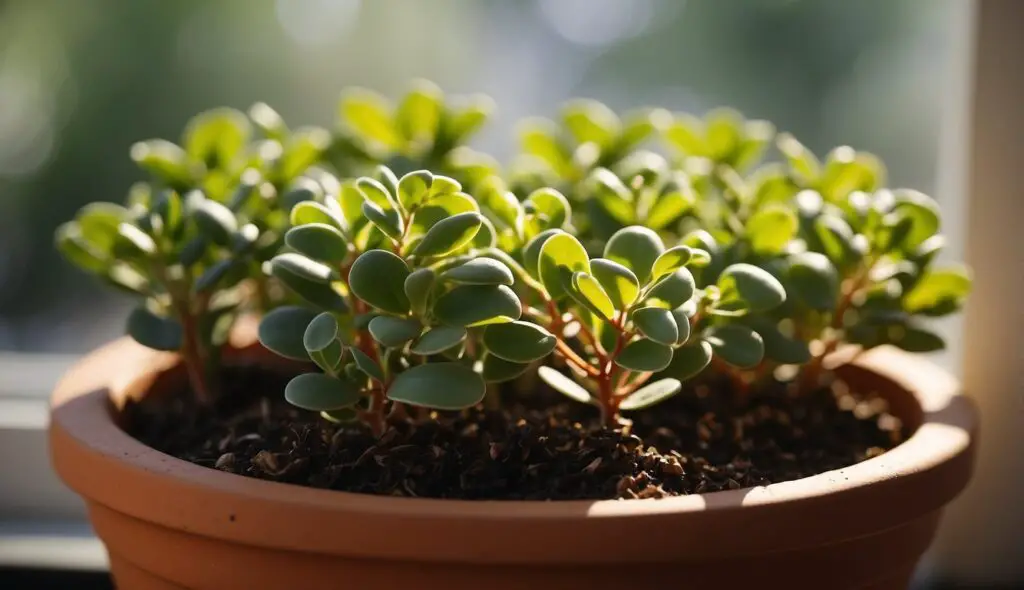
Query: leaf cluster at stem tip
(616,257)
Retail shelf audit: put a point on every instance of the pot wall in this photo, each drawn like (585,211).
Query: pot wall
(170,524)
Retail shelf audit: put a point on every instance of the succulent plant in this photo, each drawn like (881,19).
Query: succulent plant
(613,272)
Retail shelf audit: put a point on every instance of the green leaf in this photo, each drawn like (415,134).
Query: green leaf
(778,346)
(304,267)
(388,221)
(563,384)
(329,358)
(923,214)
(498,370)
(417,287)
(449,234)
(804,164)
(613,195)
(166,161)
(814,280)
(617,281)
(439,339)
(753,286)
(212,277)
(216,136)
(550,203)
(215,221)
(671,260)
(770,229)
(419,114)
(651,394)
(368,114)
(658,324)
(98,223)
(441,386)
(677,197)
(310,212)
(414,187)
(394,332)
(673,290)
(689,360)
(475,305)
(595,296)
(321,393)
(591,121)
(518,342)
(561,250)
(531,254)
(79,252)
(466,118)
(636,248)
(318,241)
(308,279)
(939,291)
(836,238)
(153,331)
(436,209)
(367,365)
(320,333)
(378,278)
(443,185)
(682,316)
(644,355)
(480,271)
(282,331)
(916,340)
(737,345)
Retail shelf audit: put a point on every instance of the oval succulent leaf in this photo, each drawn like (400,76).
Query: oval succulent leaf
(651,394)
(321,332)
(689,360)
(367,365)
(302,266)
(594,295)
(153,331)
(552,204)
(449,234)
(282,331)
(658,324)
(939,291)
(754,286)
(518,342)
(737,345)
(378,278)
(770,229)
(618,281)
(475,305)
(215,221)
(307,212)
(673,290)
(388,221)
(682,318)
(314,290)
(394,332)
(563,384)
(670,261)
(814,280)
(636,248)
(531,254)
(644,355)
(439,339)
(497,370)
(441,386)
(414,187)
(418,286)
(480,271)
(320,393)
(561,250)
(318,241)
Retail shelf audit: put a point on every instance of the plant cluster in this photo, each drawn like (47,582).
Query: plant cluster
(615,258)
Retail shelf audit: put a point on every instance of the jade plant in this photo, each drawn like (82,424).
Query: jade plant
(616,259)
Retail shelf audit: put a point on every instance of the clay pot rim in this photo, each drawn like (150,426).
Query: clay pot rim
(922,474)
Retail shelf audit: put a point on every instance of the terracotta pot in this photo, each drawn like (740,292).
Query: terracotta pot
(171,524)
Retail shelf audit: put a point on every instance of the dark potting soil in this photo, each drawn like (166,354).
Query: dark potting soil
(696,442)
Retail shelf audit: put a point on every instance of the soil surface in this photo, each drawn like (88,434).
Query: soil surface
(694,443)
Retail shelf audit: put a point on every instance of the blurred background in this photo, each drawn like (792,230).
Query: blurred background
(81,80)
